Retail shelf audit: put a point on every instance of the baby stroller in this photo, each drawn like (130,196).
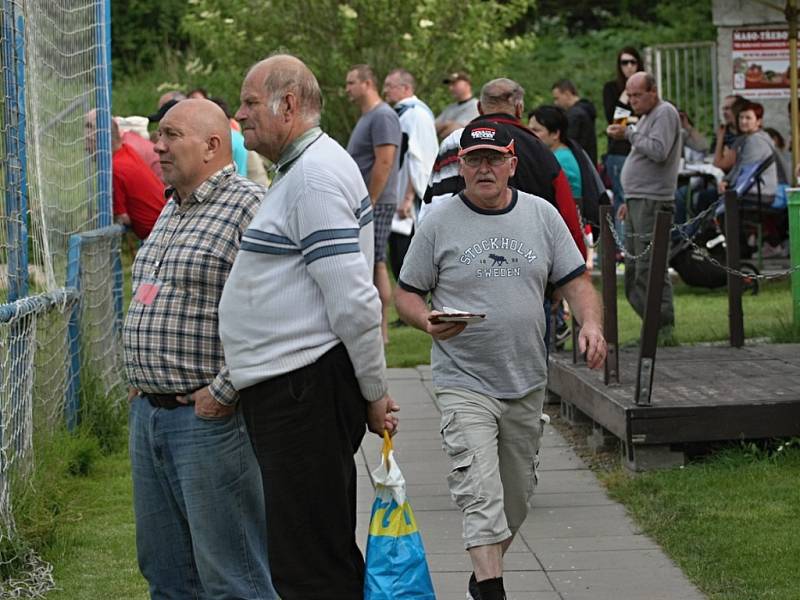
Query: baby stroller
(692,261)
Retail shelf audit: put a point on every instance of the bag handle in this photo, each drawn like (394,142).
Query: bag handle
(387,447)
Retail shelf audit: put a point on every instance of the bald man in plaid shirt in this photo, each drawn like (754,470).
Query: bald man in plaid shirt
(198,496)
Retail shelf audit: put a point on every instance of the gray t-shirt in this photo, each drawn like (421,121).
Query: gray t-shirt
(379,126)
(460,112)
(497,263)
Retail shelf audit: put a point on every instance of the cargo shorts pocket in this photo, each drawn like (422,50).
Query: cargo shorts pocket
(464,478)
(465,481)
(534,479)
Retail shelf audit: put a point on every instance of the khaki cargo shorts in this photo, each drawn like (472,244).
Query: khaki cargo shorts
(492,445)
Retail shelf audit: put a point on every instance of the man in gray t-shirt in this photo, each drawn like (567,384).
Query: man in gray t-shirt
(463,110)
(492,250)
(375,146)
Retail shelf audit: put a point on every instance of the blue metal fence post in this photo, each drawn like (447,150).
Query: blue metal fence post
(72,401)
(103,16)
(13,50)
(14,163)
(22,148)
(103,114)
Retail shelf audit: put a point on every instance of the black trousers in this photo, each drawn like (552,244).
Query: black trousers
(398,248)
(305,427)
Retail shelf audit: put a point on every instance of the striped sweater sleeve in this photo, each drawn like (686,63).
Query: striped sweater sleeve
(328,229)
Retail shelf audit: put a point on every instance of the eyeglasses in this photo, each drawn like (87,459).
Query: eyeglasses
(628,61)
(494,160)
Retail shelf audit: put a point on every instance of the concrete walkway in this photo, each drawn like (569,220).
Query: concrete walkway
(576,544)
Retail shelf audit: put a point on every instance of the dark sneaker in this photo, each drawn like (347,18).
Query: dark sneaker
(472,589)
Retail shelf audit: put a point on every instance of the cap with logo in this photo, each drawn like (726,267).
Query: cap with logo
(485,135)
(456,76)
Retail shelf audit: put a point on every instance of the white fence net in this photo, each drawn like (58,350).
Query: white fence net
(57,343)
(66,165)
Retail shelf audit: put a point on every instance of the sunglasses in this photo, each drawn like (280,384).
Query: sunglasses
(626,62)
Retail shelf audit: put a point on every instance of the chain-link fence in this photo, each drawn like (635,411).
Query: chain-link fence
(60,269)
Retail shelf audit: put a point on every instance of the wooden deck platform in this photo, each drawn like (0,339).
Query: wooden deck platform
(700,394)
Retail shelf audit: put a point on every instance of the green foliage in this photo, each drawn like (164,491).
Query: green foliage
(588,59)
(428,37)
(143,30)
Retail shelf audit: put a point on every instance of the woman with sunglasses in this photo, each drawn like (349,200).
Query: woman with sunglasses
(618,110)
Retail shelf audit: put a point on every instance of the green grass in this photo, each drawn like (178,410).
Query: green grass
(94,553)
(732,522)
(701,315)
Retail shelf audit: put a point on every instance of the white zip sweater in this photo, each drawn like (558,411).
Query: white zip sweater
(302,281)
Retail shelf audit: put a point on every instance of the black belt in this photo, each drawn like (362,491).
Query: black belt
(167,401)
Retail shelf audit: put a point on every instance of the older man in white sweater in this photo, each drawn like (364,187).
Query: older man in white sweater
(300,323)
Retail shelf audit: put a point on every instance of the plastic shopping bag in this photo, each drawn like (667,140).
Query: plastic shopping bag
(396,565)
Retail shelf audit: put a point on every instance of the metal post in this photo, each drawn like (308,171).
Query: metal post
(72,401)
(791,18)
(735,314)
(609,274)
(119,283)
(794,250)
(714,89)
(652,308)
(103,114)
(14,163)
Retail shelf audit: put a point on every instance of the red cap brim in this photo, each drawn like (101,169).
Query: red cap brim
(506,149)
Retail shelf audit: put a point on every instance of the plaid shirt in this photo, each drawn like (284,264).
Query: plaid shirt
(172,345)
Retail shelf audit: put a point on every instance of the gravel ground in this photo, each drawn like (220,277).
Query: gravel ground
(604,460)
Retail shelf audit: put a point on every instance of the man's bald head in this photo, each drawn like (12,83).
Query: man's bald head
(642,92)
(283,74)
(206,117)
(194,142)
(502,95)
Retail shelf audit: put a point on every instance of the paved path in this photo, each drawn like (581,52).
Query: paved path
(577,544)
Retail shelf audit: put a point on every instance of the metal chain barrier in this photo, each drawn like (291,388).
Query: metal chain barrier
(741,274)
(621,245)
(680,228)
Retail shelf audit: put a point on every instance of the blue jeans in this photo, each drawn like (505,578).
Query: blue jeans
(199,505)
(614,164)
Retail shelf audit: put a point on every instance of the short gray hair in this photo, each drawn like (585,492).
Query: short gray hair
(288,74)
(500,95)
(404,78)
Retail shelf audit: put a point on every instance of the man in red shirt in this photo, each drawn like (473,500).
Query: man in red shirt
(138,193)
(144,148)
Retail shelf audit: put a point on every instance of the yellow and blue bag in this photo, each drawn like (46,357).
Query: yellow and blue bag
(396,565)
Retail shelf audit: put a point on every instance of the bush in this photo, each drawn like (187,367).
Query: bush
(142,31)
(430,38)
